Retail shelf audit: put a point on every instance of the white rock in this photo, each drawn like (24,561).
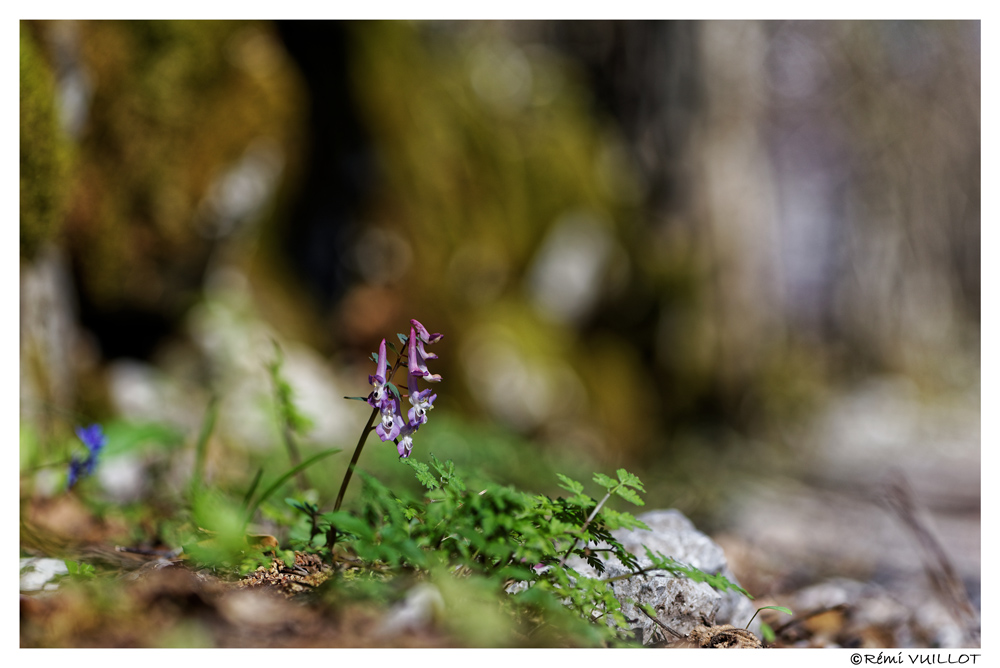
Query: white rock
(680,603)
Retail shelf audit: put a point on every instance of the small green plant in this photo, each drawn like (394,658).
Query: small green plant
(292,422)
(80,570)
(216,535)
(518,545)
(503,536)
(765,629)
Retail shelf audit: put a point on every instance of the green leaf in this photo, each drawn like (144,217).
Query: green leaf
(80,569)
(630,480)
(201,447)
(604,481)
(125,437)
(253,487)
(423,473)
(779,608)
(392,347)
(304,506)
(394,390)
(630,496)
(616,520)
(288,474)
(570,485)
(403,339)
(347,523)
(357,398)
(649,610)
(716,581)
(767,632)
(375,358)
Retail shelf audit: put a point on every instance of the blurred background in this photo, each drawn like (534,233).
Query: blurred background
(741,259)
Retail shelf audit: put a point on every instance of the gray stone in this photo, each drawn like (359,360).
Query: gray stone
(37,573)
(913,617)
(680,603)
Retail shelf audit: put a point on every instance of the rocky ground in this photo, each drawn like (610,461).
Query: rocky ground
(872,538)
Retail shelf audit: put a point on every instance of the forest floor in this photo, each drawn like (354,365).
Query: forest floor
(879,546)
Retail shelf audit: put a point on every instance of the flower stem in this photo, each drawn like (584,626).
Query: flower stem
(354,459)
(361,441)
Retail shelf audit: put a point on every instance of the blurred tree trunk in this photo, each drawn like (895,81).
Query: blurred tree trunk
(733,200)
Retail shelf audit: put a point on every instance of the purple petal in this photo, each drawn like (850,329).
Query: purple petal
(417,360)
(424,335)
(389,429)
(378,395)
(381,361)
(92,437)
(75,469)
(404,447)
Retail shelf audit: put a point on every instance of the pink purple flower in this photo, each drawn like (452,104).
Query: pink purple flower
(418,355)
(420,402)
(379,382)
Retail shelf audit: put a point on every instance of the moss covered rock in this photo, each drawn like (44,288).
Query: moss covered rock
(45,152)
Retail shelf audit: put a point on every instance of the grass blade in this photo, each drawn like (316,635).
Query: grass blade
(253,487)
(284,478)
(201,448)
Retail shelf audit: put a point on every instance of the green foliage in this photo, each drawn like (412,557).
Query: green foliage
(423,473)
(124,436)
(284,397)
(766,630)
(282,479)
(201,447)
(496,536)
(217,538)
(80,570)
(716,581)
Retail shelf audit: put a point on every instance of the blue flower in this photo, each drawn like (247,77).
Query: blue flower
(92,437)
(75,471)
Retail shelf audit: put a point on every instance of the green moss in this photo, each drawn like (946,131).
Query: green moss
(478,167)
(175,104)
(45,154)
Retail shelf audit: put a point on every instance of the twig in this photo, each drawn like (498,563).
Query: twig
(661,624)
(940,571)
(593,514)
